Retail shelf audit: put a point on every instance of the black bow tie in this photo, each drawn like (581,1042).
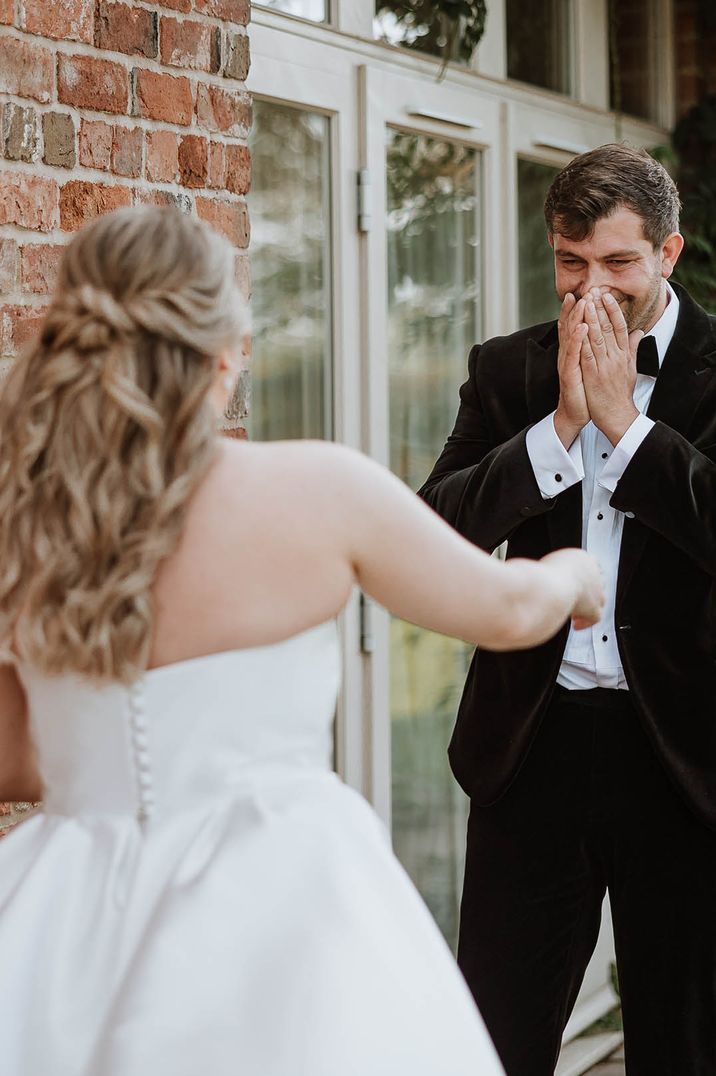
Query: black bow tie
(647,357)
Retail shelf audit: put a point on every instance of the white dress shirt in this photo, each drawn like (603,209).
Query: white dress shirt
(591,658)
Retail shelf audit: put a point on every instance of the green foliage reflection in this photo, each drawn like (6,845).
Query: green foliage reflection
(448,28)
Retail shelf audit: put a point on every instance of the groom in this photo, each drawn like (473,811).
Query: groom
(590,760)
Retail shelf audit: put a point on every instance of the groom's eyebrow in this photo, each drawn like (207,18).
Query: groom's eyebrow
(560,253)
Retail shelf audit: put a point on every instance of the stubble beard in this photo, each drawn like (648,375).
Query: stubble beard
(641,313)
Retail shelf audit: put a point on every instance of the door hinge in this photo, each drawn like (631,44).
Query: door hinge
(367,638)
(363,200)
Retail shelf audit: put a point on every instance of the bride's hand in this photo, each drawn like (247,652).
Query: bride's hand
(587,575)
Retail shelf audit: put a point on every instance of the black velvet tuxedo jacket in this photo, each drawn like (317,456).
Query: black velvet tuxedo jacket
(484,485)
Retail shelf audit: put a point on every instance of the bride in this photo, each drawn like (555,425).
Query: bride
(200,893)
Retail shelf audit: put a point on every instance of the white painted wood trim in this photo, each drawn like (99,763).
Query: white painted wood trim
(591,64)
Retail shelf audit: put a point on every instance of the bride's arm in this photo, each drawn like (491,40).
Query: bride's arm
(417,566)
(19,776)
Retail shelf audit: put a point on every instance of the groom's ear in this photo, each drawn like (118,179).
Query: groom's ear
(670,253)
(550,239)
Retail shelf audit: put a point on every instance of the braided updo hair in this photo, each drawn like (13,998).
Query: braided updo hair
(106,429)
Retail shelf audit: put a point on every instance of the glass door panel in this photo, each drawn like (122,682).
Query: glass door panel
(433,253)
(291,381)
(305,264)
(313,10)
(422,29)
(538,299)
(633,45)
(540,47)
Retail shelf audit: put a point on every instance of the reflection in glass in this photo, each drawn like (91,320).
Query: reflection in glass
(538,299)
(539,43)
(418,26)
(632,48)
(290,265)
(315,10)
(433,280)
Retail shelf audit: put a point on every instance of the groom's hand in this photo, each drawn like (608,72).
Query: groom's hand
(572,410)
(608,363)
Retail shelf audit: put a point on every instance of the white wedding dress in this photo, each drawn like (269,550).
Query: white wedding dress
(202,896)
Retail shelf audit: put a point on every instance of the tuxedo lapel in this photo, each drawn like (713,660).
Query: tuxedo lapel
(542,391)
(541,377)
(686,373)
(687,368)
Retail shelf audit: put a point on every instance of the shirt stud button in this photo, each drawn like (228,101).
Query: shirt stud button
(558,478)
(600,516)
(605,638)
(605,455)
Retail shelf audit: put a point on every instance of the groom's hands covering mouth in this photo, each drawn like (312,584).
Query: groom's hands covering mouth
(596,366)
(608,362)
(572,410)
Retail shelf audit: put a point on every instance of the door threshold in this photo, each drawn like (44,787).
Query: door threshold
(579,1055)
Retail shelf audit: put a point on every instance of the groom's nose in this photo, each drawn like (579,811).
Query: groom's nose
(593,278)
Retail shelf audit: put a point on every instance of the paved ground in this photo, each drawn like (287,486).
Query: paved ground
(613,1066)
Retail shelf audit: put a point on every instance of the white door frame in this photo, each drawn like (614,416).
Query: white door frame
(300,71)
(364,88)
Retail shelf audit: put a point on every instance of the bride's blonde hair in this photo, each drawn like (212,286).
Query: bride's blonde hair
(106,429)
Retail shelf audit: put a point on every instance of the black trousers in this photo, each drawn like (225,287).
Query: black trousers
(592,810)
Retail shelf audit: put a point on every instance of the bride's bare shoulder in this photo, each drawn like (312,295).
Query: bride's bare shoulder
(285,463)
(304,452)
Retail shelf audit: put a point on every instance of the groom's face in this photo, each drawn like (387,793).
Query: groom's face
(616,258)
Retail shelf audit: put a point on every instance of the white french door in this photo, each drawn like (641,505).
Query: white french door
(428,152)
(416,199)
(305,264)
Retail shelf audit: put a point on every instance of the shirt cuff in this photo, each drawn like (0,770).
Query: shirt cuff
(555,468)
(624,451)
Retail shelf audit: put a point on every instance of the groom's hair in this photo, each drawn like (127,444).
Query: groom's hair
(615,176)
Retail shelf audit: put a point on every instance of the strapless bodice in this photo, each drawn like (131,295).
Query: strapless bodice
(202,892)
(193,731)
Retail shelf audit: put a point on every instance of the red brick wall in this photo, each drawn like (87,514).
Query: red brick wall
(106,103)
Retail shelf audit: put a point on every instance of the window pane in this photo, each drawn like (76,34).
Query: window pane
(315,10)
(433,280)
(290,264)
(632,49)
(538,299)
(539,43)
(417,27)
